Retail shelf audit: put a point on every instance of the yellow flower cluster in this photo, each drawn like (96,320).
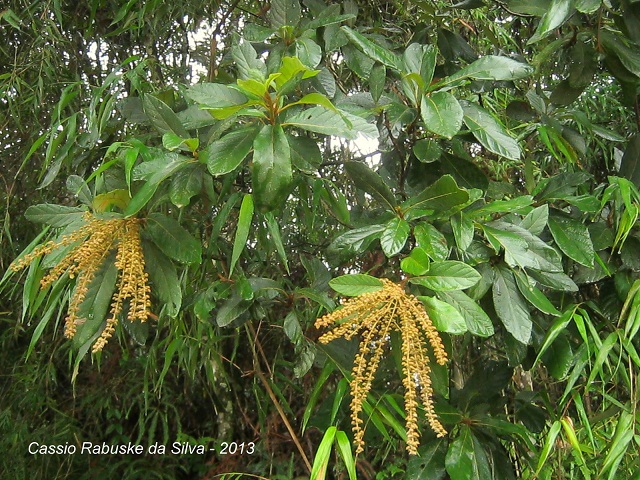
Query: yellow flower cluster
(374,316)
(98,238)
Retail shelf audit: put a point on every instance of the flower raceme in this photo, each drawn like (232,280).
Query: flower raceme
(98,238)
(374,316)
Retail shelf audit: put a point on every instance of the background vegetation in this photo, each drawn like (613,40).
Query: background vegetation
(486,154)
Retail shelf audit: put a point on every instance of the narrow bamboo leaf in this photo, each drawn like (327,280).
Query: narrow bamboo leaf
(394,236)
(172,238)
(225,155)
(489,132)
(274,231)
(271,172)
(344,447)
(366,179)
(356,284)
(323,454)
(242,231)
(373,50)
(549,443)
(445,317)
(441,113)
(478,322)
(448,275)
(510,306)
(417,263)
(54,215)
(572,237)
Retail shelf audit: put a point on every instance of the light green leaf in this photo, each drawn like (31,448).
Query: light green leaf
(373,50)
(489,132)
(433,242)
(356,284)
(417,263)
(344,447)
(315,99)
(448,275)
(293,70)
(328,122)
(271,172)
(242,230)
(323,454)
(492,67)
(478,322)
(557,13)
(215,95)
(510,306)
(445,317)
(172,238)
(572,237)
(226,154)
(536,219)
(441,113)
(394,236)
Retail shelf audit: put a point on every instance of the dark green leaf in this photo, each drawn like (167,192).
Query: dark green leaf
(271,172)
(441,113)
(441,196)
(357,240)
(533,295)
(630,166)
(510,306)
(429,463)
(249,66)
(377,79)
(186,184)
(427,150)
(305,153)
(274,231)
(162,117)
(174,241)
(572,237)
(356,284)
(284,13)
(466,173)
(433,242)
(536,219)
(466,459)
(373,50)
(448,275)
(492,67)
(309,52)
(54,215)
(215,95)
(225,155)
(463,230)
(163,278)
(366,179)
(617,44)
(478,322)
(489,132)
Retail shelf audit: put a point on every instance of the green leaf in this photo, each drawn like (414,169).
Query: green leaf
(242,231)
(427,150)
(186,184)
(344,447)
(96,304)
(323,454)
(492,67)
(373,50)
(510,306)
(328,122)
(445,317)
(54,215)
(466,459)
(162,117)
(441,113)
(417,263)
(292,71)
(355,284)
(394,236)
(489,132)
(309,52)
(448,275)
(249,65)
(315,99)
(572,237)
(557,13)
(536,219)
(174,241)
(533,295)
(305,153)
(163,278)
(271,172)
(356,240)
(429,463)
(433,242)
(444,194)
(274,231)
(226,154)
(463,230)
(366,179)
(377,79)
(284,13)
(215,95)
(478,322)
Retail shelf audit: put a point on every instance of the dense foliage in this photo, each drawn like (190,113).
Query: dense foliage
(189,186)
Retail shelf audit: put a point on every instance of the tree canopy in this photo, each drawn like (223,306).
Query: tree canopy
(305,239)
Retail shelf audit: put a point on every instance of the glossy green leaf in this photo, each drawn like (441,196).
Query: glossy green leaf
(245,218)
(328,122)
(173,239)
(309,52)
(271,171)
(355,284)
(572,237)
(432,241)
(533,295)
(356,240)
(427,150)
(478,322)
(366,179)
(489,132)
(429,463)
(417,263)
(536,220)
(448,275)
(226,154)
(441,113)
(394,236)
(373,50)
(510,306)
(445,317)
(444,194)
(284,12)
(54,215)
(557,13)
(344,447)
(492,67)
(323,454)
(463,230)
(186,184)
(466,459)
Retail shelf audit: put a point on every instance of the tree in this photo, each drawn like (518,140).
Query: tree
(235,273)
